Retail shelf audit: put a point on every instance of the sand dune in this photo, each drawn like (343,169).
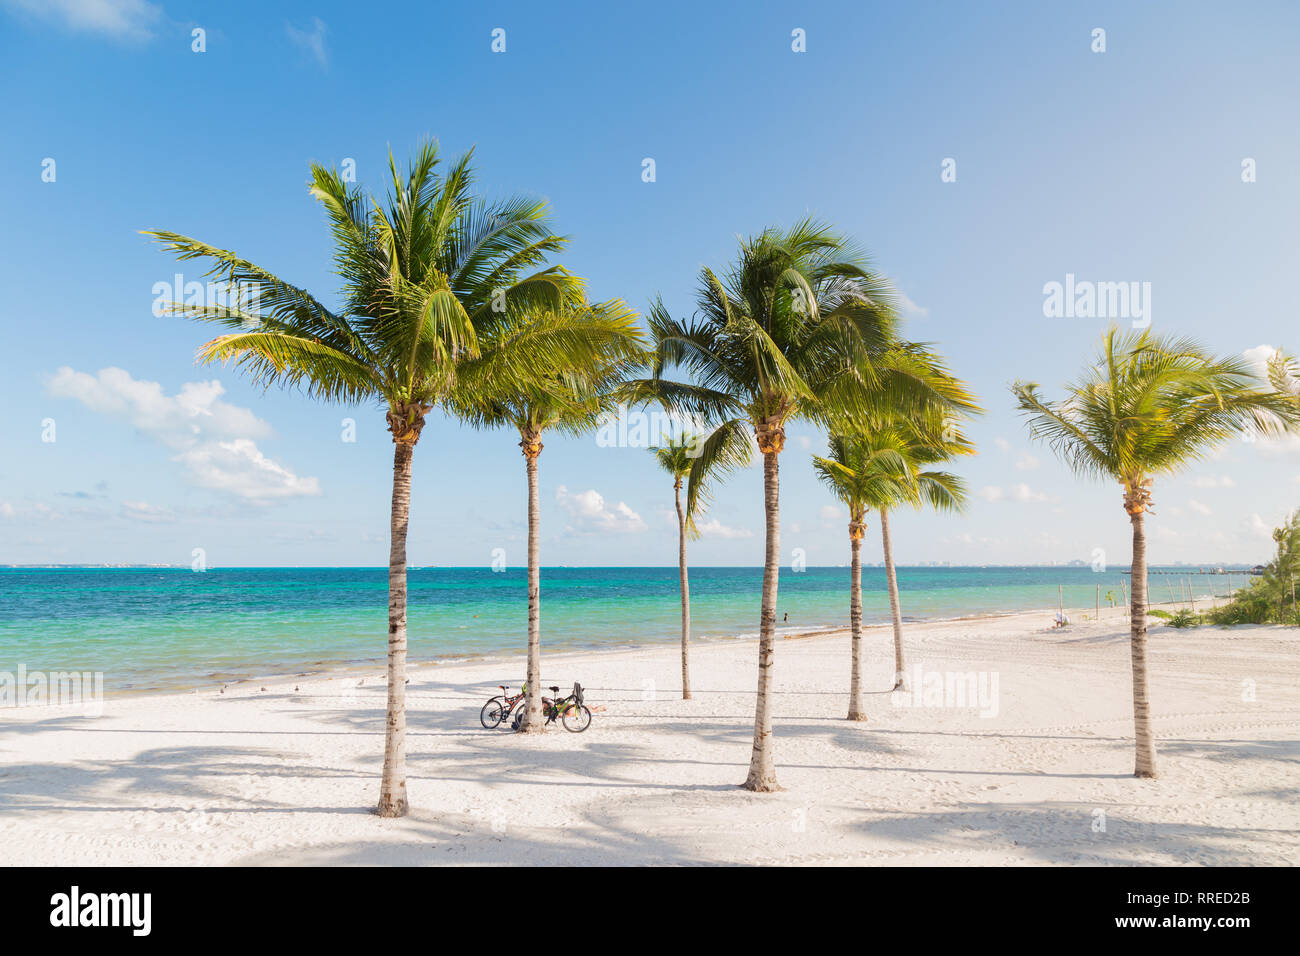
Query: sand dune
(285,777)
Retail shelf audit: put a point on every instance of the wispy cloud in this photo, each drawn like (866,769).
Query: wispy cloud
(1017,492)
(132,20)
(143,511)
(910,307)
(713,528)
(311,39)
(213,439)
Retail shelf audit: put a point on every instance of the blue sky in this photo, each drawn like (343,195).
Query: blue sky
(1115,166)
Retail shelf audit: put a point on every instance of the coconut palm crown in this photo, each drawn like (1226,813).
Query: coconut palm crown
(1152,405)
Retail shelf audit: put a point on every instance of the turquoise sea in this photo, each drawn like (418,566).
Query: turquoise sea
(171,628)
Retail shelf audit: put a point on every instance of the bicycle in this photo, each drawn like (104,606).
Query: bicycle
(498,708)
(570,711)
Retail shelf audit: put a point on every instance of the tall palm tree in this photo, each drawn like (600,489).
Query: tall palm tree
(600,344)
(1150,405)
(674,457)
(677,456)
(425,275)
(882,467)
(798,327)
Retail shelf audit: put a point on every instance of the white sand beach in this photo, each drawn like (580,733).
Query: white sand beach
(286,776)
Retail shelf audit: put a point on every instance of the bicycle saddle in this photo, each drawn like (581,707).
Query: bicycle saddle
(555,690)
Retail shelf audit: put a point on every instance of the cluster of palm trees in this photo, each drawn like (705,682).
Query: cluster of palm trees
(449,303)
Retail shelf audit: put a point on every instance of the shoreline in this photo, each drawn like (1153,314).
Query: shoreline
(367,669)
(288,778)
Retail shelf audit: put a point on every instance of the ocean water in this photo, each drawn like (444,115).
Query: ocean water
(165,628)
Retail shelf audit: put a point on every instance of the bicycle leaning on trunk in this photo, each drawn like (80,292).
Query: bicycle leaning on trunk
(496,710)
(570,711)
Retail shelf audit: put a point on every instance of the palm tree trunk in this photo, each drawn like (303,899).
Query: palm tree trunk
(894,607)
(1145,762)
(533,721)
(686,592)
(392,785)
(855,621)
(762,766)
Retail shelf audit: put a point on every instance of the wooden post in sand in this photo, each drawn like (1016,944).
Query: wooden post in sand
(1098,617)
(1123,593)
(1214,601)
(1170,588)
(1191,595)
(1060,601)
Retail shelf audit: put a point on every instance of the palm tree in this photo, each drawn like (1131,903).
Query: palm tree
(881,467)
(1149,406)
(798,327)
(677,456)
(599,344)
(425,275)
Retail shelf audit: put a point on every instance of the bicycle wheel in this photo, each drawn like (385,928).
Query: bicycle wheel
(492,714)
(577,719)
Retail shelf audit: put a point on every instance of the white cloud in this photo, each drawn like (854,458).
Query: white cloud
(1017,492)
(1258,358)
(1026,462)
(143,511)
(238,467)
(37,510)
(1198,507)
(1213,481)
(1022,492)
(588,513)
(212,438)
(311,39)
(831,513)
(120,19)
(713,528)
(1259,526)
(1002,443)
